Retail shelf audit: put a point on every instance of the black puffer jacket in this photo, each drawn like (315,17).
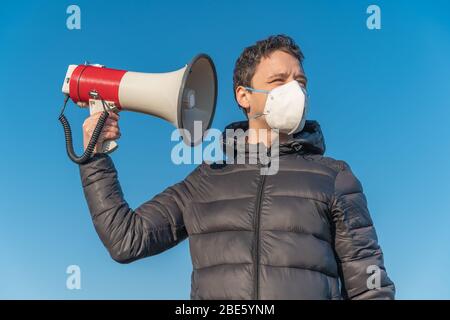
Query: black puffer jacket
(303,233)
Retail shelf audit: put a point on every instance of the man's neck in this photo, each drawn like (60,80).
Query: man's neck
(260,132)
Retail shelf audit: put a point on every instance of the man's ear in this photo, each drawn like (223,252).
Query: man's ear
(242,98)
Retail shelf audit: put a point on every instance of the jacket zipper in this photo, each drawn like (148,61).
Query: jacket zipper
(257,225)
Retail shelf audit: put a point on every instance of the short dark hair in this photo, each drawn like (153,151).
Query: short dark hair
(246,64)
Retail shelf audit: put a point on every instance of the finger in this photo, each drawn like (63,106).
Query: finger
(111,126)
(110,130)
(113,115)
(90,127)
(95,115)
(111,122)
(111,135)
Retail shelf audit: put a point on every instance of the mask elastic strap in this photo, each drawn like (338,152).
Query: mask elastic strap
(257,90)
(257,116)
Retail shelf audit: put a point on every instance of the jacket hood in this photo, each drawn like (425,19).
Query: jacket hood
(309,140)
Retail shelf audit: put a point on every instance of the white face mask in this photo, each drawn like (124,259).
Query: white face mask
(286,107)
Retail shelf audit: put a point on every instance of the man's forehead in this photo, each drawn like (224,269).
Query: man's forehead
(279,63)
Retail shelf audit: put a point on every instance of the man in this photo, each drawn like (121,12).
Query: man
(302,233)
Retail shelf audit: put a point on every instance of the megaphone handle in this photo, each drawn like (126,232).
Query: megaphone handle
(108,146)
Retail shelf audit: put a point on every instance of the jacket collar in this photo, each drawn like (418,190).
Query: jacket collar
(309,140)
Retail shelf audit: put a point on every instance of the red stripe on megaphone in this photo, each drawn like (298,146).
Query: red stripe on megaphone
(104,81)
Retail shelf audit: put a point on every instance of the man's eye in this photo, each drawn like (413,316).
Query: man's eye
(302,83)
(276,80)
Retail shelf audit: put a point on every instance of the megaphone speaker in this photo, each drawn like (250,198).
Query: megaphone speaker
(181,97)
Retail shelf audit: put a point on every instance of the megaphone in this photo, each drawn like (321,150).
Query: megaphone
(182,97)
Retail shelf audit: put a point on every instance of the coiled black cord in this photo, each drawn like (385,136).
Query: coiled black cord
(87,154)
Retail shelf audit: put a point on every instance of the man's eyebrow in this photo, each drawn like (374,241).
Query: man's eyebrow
(285,75)
(278,75)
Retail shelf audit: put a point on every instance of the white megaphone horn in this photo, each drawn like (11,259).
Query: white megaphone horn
(180,97)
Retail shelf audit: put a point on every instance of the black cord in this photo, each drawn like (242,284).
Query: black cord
(87,154)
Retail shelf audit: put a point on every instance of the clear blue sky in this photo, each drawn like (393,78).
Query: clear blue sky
(382,98)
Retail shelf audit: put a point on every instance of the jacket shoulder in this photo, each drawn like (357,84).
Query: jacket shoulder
(335,165)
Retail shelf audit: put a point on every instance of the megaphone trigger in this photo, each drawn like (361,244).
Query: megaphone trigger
(99,105)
